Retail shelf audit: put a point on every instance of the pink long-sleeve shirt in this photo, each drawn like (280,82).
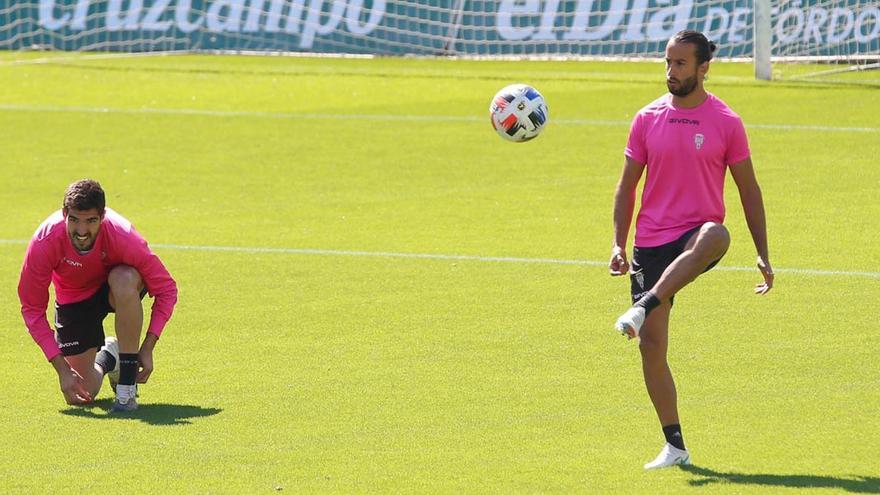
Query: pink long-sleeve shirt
(51,257)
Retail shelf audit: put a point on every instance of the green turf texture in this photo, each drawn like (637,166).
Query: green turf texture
(333,373)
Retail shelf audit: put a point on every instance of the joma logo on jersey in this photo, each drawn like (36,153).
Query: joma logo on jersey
(73,263)
(684,121)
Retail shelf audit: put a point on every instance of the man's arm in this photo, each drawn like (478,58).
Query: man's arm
(753,207)
(145,357)
(33,292)
(156,278)
(163,288)
(624,206)
(72,383)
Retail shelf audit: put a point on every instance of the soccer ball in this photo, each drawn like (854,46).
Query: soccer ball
(518,113)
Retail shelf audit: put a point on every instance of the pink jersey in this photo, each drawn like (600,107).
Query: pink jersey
(51,257)
(687,152)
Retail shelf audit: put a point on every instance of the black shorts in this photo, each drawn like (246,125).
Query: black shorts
(648,264)
(79,326)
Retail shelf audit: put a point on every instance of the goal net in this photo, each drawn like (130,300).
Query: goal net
(811,31)
(826,39)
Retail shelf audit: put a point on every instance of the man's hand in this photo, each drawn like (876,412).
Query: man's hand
(767,272)
(145,358)
(618,264)
(73,387)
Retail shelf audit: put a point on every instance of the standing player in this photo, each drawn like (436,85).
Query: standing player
(98,264)
(687,139)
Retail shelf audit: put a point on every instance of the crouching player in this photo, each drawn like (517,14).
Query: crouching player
(99,264)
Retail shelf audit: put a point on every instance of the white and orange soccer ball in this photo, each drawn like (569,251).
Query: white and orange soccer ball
(518,112)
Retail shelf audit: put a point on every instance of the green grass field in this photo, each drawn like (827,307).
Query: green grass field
(308,353)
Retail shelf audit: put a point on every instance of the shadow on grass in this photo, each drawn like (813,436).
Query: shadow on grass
(854,484)
(154,414)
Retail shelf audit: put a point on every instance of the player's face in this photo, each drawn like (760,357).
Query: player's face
(682,71)
(83,227)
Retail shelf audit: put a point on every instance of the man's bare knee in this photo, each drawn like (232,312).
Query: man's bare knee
(653,352)
(124,279)
(713,239)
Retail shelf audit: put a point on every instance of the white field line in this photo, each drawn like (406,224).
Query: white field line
(79,58)
(111,56)
(457,257)
(370,117)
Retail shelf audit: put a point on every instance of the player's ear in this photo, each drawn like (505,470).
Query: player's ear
(704,70)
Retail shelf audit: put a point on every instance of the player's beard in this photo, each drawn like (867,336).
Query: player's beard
(684,88)
(82,245)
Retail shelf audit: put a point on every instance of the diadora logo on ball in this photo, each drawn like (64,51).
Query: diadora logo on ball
(306,18)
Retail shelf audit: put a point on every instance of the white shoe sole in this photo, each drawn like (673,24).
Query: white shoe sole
(683,462)
(627,330)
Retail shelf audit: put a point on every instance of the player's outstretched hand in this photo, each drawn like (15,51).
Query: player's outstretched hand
(145,362)
(767,272)
(618,264)
(74,388)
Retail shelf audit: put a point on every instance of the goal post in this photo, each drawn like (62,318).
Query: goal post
(772,34)
(762,40)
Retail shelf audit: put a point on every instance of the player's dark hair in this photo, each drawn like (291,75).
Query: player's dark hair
(84,194)
(705,48)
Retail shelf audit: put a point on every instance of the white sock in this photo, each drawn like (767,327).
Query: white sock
(124,393)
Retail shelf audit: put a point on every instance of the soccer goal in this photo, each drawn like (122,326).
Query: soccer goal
(825,39)
(784,40)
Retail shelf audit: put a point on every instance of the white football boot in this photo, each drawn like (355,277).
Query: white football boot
(670,456)
(111,345)
(631,322)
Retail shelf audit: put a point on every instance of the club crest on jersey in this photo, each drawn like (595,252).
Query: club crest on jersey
(698,140)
